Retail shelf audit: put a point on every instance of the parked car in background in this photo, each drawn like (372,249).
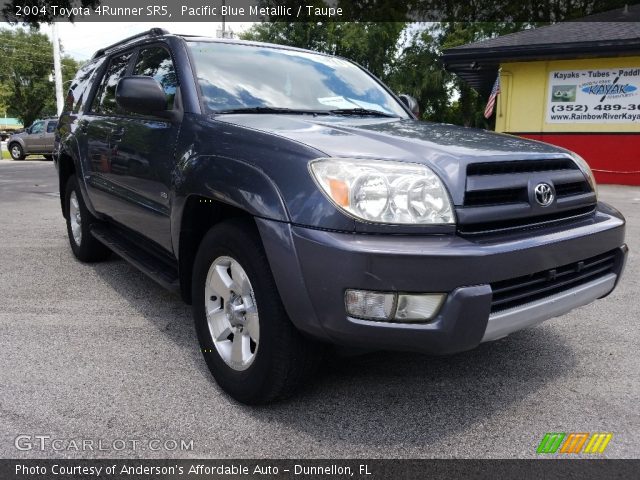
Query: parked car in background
(38,139)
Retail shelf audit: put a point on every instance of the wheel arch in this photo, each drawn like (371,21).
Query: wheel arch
(200,214)
(19,141)
(212,189)
(66,168)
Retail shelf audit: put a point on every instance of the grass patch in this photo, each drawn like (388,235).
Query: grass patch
(7,156)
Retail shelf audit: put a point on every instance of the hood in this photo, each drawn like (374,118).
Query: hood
(392,138)
(448,149)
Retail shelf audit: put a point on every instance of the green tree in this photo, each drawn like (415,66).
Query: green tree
(25,66)
(469,106)
(26,71)
(5,92)
(418,72)
(69,67)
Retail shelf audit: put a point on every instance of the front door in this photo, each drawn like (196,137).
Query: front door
(34,142)
(135,154)
(99,123)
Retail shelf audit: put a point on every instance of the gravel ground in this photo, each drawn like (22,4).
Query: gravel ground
(101,353)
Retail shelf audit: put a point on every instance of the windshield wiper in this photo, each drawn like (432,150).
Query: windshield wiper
(273,110)
(362,112)
(338,111)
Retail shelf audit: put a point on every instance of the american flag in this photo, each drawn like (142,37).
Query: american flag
(488,110)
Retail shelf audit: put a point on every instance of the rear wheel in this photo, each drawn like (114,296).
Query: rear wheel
(85,247)
(16,151)
(249,344)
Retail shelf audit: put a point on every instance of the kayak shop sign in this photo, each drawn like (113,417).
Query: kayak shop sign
(594,96)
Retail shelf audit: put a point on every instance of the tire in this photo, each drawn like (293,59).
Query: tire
(85,247)
(275,358)
(16,151)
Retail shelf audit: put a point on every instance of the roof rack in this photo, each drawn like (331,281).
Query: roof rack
(149,33)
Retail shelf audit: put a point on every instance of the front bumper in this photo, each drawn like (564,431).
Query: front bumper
(313,268)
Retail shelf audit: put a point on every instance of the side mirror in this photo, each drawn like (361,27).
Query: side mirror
(411,103)
(140,94)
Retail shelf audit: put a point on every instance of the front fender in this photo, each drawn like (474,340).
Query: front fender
(18,140)
(225,180)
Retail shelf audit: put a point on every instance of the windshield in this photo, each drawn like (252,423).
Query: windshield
(236,76)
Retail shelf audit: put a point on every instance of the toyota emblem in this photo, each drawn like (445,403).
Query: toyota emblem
(544,194)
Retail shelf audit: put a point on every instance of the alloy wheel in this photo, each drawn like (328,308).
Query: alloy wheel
(75,218)
(232,313)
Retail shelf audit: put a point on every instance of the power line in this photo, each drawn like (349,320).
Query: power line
(9,45)
(16,43)
(12,53)
(40,62)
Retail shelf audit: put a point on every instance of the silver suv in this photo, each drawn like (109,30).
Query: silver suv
(38,139)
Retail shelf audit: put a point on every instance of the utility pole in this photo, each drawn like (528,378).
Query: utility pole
(223,29)
(223,32)
(57,70)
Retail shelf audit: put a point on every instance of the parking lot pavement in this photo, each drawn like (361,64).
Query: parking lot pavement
(100,352)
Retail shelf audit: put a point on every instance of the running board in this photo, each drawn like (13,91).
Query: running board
(150,264)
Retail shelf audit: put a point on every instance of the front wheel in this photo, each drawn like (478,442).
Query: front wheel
(16,151)
(249,344)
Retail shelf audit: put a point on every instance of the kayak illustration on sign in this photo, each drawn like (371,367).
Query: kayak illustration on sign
(563,93)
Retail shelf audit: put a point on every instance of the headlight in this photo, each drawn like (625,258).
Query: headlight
(383,191)
(584,166)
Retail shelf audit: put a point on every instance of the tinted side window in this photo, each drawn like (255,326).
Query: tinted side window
(51,126)
(80,87)
(37,127)
(105,99)
(156,62)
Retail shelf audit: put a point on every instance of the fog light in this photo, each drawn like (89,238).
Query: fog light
(418,308)
(370,305)
(393,306)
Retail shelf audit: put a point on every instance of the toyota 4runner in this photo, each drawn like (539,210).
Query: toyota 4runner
(295,202)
